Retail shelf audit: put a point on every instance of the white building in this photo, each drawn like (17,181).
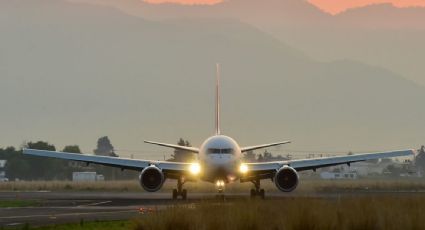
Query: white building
(87,176)
(338,175)
(3,171)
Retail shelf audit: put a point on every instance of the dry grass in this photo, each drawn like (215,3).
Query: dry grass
(350,213)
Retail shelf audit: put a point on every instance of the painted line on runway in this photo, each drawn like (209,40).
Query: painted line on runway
(14,224)
(95,204)
(67,214)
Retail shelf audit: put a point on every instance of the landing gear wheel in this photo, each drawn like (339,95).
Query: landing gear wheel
(262,194)
(257,191)
(184,194)
(180,191)
(253,193)
(175,194)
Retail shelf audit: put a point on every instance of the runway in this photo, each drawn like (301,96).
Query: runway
(69,207)
(72,207)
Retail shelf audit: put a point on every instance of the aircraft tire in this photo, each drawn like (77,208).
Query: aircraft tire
(253,193)
(174,194)
(262,194)
(184,194)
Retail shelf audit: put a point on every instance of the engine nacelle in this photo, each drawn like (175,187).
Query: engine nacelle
(286,179)
(151,178)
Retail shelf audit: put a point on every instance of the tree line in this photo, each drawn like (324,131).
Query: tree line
(25,167)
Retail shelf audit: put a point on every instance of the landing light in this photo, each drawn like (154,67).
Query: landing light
(195,168)
(219,183)
(243,168)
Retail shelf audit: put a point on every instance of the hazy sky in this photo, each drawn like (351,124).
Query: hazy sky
(71,73)
(331,6)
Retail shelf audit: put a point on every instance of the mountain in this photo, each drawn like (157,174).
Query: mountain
(73,72)
(380,35)
(383,16)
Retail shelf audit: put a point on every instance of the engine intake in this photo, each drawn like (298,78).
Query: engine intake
(286,179)
(151,179)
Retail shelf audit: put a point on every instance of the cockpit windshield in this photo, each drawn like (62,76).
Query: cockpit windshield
(220,151)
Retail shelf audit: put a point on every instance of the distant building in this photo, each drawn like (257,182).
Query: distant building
(3,171)
(87,176)
(367,168)
(338,175)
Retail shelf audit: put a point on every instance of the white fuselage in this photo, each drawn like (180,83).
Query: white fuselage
(220,157)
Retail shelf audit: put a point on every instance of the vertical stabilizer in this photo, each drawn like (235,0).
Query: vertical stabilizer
(217,101)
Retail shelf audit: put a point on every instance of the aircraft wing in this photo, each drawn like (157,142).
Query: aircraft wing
(171,168)
(180,147)
(267,169)
(249,148)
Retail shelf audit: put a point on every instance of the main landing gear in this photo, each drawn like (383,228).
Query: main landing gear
(179,191)
(257,191)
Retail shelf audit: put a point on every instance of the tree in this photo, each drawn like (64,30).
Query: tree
(71,149)
(16,165)
(249,156)
(420,160)
(104,147)
(266,156)
(182,155)
(41,145)
(73,165)
(44,168)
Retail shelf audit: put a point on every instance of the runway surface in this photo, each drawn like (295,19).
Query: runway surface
(72,207)
(68,207)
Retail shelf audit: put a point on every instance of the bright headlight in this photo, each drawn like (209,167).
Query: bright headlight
(195,168)
(220,183)
(243,168)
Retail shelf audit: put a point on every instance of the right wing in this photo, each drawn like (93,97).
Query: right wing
(171,169)
(180,147)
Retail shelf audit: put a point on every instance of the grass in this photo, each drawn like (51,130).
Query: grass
(18,203)
(349,213)
(371,212)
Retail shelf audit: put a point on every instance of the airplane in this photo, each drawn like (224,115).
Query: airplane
(219,161)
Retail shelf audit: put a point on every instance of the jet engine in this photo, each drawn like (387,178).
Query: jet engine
(286,179)
(151,178)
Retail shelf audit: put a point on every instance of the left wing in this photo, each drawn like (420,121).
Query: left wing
(249,148)
(169,168)
(267,169)
(180,147)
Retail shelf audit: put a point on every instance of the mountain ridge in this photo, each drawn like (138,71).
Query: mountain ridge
(71,73)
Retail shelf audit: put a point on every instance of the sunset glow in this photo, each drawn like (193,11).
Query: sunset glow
(331,6)
(337,6)
(187,2)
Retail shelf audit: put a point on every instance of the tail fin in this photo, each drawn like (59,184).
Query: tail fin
(217,101)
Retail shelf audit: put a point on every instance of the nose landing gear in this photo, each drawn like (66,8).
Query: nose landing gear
(257,191)
(220,187)
(179,191)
